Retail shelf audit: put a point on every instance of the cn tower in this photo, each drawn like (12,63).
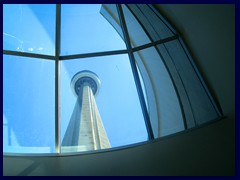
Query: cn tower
(85,130)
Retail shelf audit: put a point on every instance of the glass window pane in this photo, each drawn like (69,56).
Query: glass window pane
(84,29)
(137,35)
(28,105)
(164,109)
(117,101)
(29,28)
(201,108)
(150,21)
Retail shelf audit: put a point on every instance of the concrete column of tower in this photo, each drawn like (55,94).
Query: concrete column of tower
(85,130)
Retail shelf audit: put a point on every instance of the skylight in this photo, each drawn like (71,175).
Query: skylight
(29,106)
(149,86)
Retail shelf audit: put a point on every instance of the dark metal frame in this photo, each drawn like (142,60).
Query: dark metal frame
(154,44)
(135,72)
(57,78)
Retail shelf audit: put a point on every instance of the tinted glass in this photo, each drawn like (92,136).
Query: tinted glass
(29,28)
(84,29)
(28,105)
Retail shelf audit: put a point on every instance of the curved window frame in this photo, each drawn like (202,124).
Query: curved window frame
(130,50)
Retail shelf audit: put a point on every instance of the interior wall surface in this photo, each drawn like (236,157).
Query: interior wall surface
(204,151)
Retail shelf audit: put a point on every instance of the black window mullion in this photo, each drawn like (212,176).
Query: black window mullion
(135,73)
(154,44)
(57,78)
(26,54)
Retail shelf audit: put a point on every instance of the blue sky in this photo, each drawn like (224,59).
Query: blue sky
(29,82)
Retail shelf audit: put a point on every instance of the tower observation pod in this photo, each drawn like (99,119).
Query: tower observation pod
(85,130)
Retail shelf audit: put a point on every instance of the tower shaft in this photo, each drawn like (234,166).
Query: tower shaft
(85,130)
